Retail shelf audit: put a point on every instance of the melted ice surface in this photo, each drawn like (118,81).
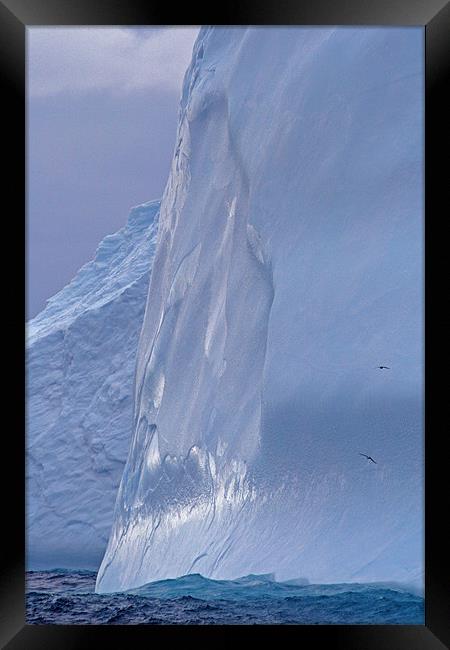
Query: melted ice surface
(288,266)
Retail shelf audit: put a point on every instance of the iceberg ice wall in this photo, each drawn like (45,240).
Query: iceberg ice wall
(288,266)
(81,353)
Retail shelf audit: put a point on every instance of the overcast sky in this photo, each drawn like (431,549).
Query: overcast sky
(102,108)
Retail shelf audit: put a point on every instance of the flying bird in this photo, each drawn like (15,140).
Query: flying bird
(383,367)
(368,457)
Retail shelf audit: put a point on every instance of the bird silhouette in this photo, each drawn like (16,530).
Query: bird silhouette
(383,367)
(368,457)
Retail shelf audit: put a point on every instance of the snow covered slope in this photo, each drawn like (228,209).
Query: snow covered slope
(81,353)
(288,266)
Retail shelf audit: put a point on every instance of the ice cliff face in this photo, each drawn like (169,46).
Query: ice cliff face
(288,266)
(81,352)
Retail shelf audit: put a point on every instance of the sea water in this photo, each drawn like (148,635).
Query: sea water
(68,598)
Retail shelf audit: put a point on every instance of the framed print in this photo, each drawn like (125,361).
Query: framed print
(231,226)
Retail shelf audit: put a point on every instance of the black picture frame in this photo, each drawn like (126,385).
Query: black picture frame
(434,16)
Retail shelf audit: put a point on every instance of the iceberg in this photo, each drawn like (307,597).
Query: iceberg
(80,359)
(289,266)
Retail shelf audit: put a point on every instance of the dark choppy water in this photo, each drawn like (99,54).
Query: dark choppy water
(67,597)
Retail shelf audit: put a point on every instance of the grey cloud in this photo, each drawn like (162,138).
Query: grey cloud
(79,59)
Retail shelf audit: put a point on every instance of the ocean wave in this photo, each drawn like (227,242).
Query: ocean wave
(68,598)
